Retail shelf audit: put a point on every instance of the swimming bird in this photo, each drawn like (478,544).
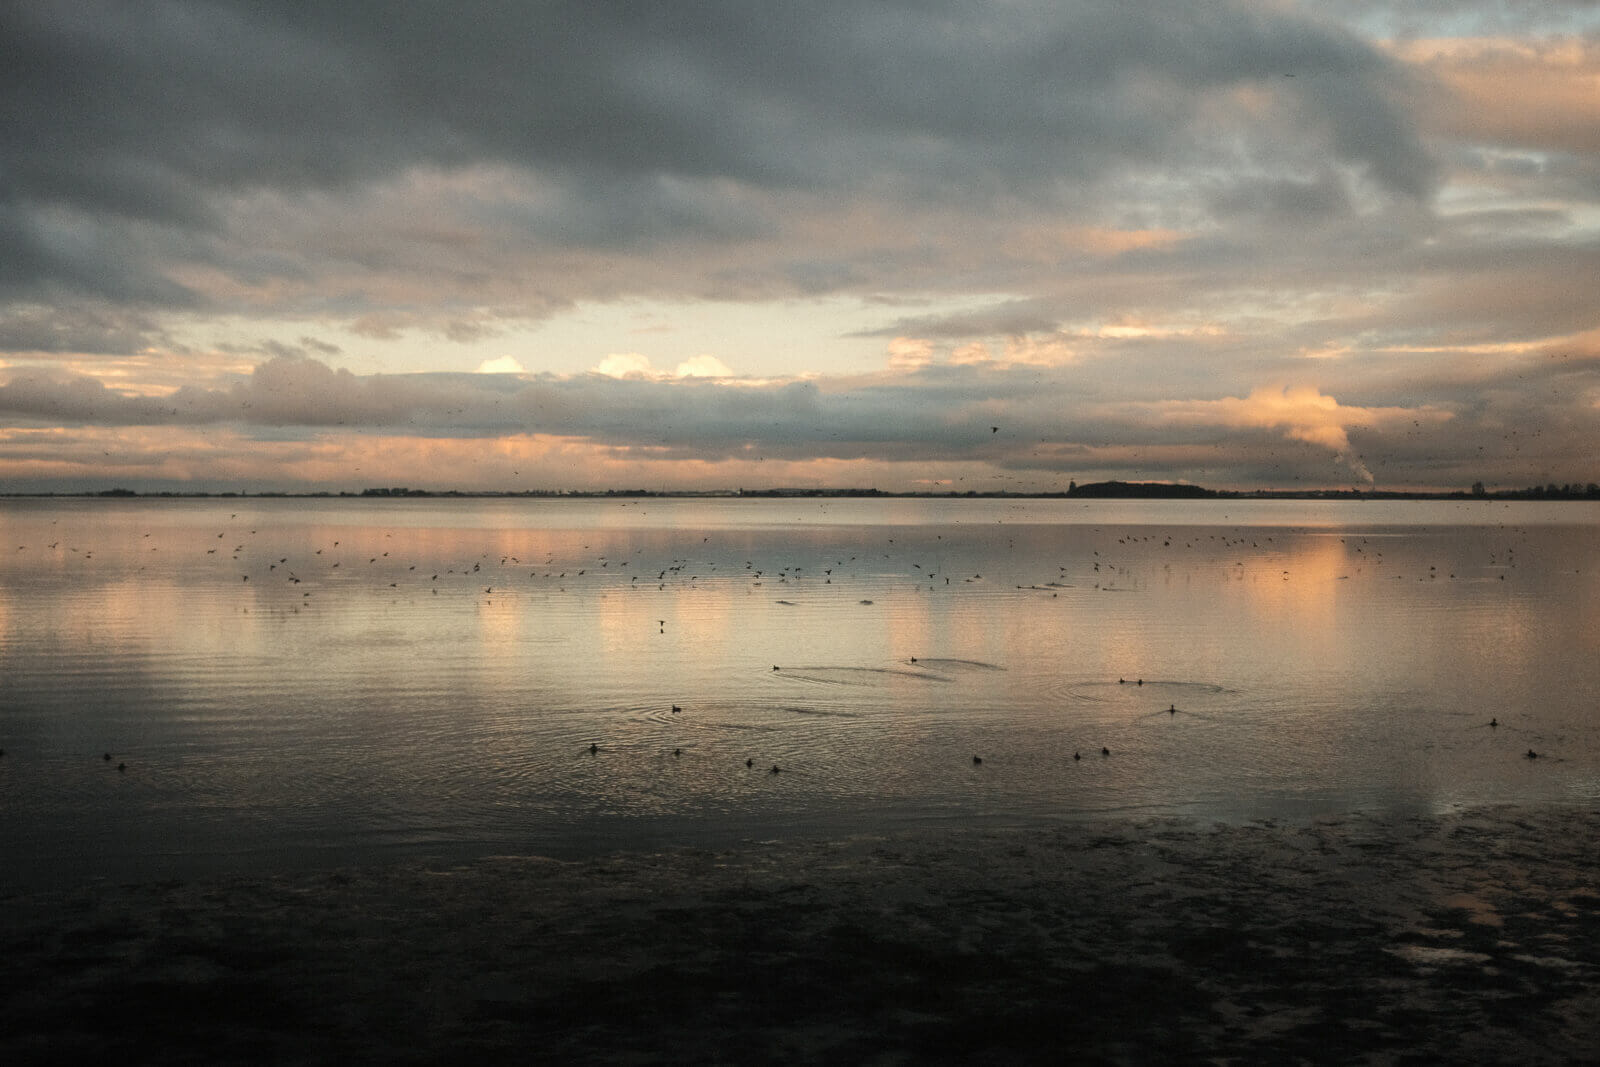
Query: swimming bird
(750,762)
(122,766)
(676,709)
(977,759)
(1494,722)
(1104,751)
(593,748)
(677,752)
(774,768)
(1532,754)
(1172,709)
(1077,755)
(107,757)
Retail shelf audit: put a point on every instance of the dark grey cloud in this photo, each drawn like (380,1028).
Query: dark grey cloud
(76,327)
(1511,426)
(131,132)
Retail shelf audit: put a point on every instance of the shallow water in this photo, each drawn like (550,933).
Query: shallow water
(293,681)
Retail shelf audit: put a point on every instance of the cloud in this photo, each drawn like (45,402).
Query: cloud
(635,365)
(703,367)
(79,328)
(1300,413)
(1100,225)
(625,365)
(1538,93)
(909,353)
(501,365)
(1057,422)
(156,154)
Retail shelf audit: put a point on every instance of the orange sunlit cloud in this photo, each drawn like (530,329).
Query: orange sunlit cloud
(1300,413)
(1531,93)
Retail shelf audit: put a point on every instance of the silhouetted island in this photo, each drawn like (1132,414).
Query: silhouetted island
(1142,490)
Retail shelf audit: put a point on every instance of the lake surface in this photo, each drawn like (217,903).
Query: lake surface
(312,681)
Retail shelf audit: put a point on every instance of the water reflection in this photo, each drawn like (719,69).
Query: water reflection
(358,676)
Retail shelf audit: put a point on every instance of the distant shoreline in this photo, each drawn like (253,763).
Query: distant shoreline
(1093,491)
(540,495)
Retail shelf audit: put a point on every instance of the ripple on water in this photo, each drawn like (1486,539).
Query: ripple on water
(834,713)
(951,666)
(860,676)
(1129,691)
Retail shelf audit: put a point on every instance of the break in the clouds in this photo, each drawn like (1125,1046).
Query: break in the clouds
(1247,243)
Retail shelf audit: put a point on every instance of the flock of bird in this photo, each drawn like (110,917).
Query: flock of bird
(334,562)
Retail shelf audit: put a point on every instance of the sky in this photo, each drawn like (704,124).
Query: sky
(912,245)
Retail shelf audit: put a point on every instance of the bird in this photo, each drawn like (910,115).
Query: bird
(676,709)
(1172,709)
(122,766)
(774,768)
(593,748)
(976,760)
(1104,751)
(1494,722)
(1077,755)
(1532,754)
(107,757)
(677,752)
(750,762)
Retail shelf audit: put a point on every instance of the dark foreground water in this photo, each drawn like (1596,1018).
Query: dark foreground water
(290,681)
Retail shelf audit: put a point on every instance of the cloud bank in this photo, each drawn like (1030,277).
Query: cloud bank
(1247,243)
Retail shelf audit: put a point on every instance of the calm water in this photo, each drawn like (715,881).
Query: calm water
(294,681)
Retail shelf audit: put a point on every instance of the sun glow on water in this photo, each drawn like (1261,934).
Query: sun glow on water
(286,677)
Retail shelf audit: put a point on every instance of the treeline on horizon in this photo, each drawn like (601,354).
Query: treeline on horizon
(1089,490)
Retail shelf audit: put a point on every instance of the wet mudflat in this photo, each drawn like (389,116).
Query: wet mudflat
(1468,937)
